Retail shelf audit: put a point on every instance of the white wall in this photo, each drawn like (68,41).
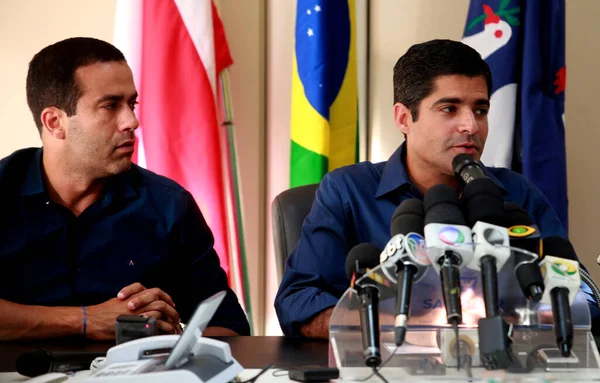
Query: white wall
(281,17)
(244,23)
(26,26)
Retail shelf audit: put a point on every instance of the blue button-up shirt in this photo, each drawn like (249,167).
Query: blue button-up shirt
(354,204)
(144,228)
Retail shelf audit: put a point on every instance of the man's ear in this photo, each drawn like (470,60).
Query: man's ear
(402,117)
(53,122)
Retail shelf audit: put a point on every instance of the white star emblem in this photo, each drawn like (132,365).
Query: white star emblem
(308,12)
(310,32)
(317,8)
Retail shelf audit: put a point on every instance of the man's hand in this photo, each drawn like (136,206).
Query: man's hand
(318,326)
(133,299)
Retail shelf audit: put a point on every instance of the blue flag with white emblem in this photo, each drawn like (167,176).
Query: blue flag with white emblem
(523,41)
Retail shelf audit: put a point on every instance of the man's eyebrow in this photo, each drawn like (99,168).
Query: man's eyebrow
(448,100)
(116,97)
(110,97)
(482,101)
(458,100)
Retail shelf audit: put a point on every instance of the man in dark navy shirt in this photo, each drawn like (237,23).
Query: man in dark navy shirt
(85,235)
(441,101)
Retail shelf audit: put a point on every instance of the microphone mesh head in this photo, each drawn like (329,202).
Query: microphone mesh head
(33,363)
(409,217)
(515,215)
(441,206)
(366,255)
(484,201)
(461,160)
(559,247)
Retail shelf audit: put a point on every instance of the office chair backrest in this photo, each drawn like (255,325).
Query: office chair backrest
(288,211)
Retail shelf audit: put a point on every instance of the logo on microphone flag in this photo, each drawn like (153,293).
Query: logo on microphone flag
(520,231)
(416,248)
(563,268)
(451,236)
(324,113)
(523,42)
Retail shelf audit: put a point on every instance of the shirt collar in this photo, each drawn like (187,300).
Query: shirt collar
(121,185)
(394,173)
(34,180)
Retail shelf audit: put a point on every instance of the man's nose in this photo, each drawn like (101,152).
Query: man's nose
(468,123)
(129,120)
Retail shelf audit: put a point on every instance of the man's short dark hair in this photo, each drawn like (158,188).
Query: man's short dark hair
(51,76)
(416,71)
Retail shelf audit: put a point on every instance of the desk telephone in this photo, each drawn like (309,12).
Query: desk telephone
(185,358)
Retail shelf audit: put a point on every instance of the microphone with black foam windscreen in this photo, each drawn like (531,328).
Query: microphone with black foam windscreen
(483,206)
(410,259)
(447,233)
(467,168)
(360,260)
(525,235)
(560,269)
(37,362)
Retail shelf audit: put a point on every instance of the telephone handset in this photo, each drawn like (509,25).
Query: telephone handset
(185,358)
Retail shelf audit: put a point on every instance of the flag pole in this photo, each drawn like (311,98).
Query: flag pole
(233,190)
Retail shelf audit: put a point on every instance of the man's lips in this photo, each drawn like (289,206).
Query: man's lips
(467,146)
(126,144)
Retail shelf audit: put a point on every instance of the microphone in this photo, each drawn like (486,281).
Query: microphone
(37,362)
(525,235)
(467,168)
(484,211)
(447,233)
(361,258)
(410,259)
(562,280)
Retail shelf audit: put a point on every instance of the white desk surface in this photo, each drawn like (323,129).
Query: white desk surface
(267,377)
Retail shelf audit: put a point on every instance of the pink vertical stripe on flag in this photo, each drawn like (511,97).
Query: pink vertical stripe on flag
(177,111)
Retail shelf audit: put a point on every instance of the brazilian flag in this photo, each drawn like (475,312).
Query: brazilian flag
(324,126)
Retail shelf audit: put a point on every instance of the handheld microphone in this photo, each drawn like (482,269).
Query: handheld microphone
(361,258)
(37,362)
(410,259)
(446,232)
(562,280)
(484,211)
(466,168)
(525,235)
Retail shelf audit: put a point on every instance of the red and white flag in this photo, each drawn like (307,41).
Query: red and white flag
(176,50)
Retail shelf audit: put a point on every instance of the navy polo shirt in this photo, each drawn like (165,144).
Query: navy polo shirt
(144,228)
(354,204)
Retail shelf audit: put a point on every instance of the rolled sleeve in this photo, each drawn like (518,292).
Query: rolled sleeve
(314,277)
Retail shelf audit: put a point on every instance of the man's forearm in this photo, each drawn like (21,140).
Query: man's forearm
(38,322)
(318,326)
(219,331)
